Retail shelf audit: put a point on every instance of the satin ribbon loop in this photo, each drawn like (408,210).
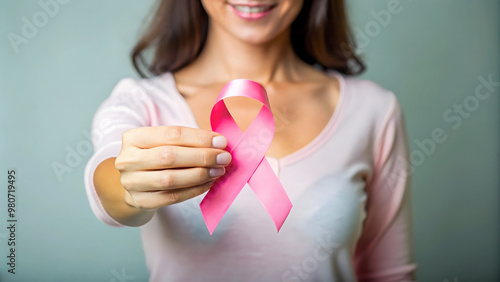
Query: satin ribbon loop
(248,164)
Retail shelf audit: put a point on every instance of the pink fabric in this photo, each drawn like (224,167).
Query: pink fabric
(350,189)
(248,164)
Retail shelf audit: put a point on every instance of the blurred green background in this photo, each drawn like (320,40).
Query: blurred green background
(432,54)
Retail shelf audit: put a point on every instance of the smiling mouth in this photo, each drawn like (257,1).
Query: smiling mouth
(252,9)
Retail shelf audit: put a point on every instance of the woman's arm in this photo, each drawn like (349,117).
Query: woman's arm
(137,168)
(385,249)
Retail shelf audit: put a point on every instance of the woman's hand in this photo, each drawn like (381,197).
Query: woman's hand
(164,165)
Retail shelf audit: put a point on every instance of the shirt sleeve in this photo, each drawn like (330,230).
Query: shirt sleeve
(384,251)
(124,109)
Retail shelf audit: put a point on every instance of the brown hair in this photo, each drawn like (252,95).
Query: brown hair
(320,35)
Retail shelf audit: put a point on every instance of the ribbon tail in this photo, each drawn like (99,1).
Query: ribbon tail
(271,193)
(223,193)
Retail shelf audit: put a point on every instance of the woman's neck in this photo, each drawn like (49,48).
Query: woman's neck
(225,58)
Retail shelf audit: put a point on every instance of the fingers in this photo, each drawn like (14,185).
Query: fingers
(150,137)
(158,180)
(173,157)
(157,199)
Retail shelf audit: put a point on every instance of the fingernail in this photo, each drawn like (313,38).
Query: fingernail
(219,142)
(217,171)
(223,158)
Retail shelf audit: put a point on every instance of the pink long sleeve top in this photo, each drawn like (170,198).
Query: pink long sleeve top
(350,188)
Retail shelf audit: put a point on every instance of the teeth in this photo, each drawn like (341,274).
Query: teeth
(251,10)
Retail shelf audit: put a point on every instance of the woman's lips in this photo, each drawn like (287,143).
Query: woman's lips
(251,12)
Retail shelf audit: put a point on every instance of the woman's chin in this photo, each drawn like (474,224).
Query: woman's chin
(254,40)
(253,35)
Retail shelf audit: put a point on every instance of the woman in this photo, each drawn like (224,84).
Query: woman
(340,148)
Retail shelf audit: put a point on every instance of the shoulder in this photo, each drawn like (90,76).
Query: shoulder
(369,99)
(372,108)
(144,98)
(369,94)
(148,92)
(150,86)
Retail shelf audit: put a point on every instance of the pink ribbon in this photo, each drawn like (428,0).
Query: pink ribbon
(248,163)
